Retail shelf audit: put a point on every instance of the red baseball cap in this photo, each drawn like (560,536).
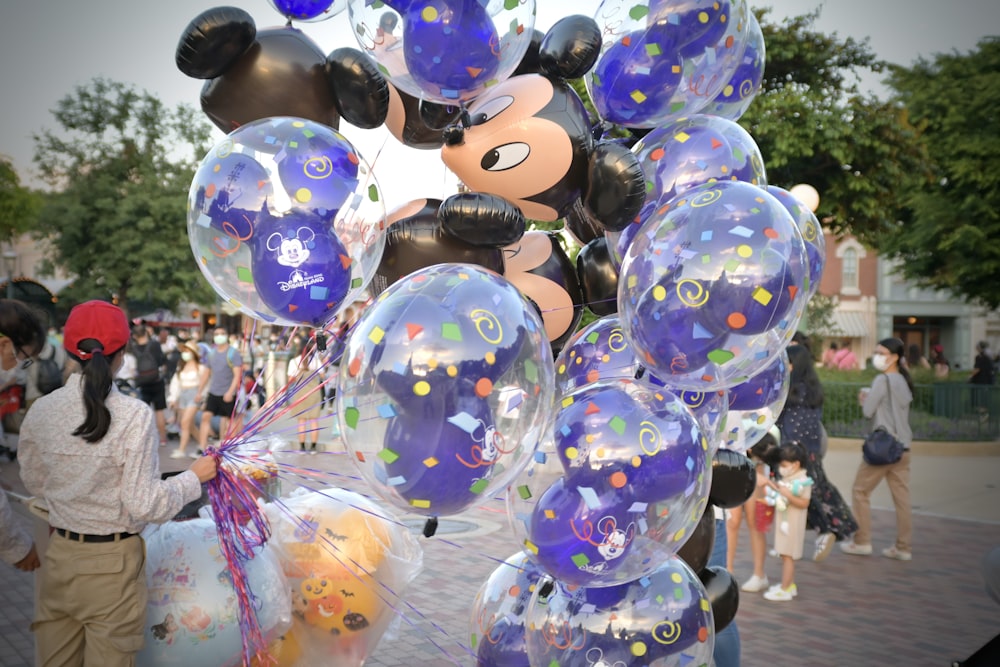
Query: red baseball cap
(99,320)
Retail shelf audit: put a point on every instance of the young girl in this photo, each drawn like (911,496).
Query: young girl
(305,378)
(762,454)
(791,496)
(183,389)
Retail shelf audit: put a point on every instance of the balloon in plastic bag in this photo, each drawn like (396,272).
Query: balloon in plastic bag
(192,615)
(341,553)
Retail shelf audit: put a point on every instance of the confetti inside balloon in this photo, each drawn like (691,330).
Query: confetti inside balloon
(663,619)
(446,51)
(619,488)
(745,82)
(721,265)
(754,405)
(499,611)
(812,234)
(664,59)
(445,388)
(309,11)
(286,221)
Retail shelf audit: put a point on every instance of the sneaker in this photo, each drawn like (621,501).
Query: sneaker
(755,584)
(856,549)
(312,448)
(773,553)
(824,545)
(178,454)
(197,454)
(778,594)
(893,552)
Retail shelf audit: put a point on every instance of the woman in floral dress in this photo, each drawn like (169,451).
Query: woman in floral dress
(801,421)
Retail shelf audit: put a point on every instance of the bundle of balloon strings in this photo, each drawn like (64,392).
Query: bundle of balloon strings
(240,522)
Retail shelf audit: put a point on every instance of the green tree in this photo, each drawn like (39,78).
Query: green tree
(117,216)
(951,235)
(18,205)
(814,126)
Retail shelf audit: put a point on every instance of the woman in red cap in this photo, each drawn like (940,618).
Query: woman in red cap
(90,455)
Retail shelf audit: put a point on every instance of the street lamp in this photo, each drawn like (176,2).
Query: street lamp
(9,260)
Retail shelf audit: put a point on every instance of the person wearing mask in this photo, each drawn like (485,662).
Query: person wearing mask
(801,421)
(89,455)
(887,404)
(225,372)
(183,390)
(22,337)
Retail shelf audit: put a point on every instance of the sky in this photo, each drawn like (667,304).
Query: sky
(47,47)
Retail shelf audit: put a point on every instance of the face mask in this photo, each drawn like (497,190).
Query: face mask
(187,356)
(880,362)
(8,375)
(221,340)
(785,471)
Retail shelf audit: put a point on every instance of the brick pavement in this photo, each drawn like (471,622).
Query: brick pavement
(850,611)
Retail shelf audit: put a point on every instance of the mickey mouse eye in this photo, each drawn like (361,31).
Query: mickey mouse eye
(505,157)
(489,110)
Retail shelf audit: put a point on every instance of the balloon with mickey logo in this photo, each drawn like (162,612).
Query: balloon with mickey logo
(286,221)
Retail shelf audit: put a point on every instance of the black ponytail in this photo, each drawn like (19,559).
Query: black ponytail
(97,381)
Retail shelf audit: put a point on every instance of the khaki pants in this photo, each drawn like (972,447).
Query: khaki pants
(897,475)
(92,603)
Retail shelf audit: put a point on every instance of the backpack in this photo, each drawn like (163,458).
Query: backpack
(49,376)
(147,370)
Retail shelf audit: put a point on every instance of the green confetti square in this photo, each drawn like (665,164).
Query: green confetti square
(732,265)
(308,134)
(388,456)
(292,144)
(638,12)
(473,640)
(580,560)
(451,331)
(593,337)
(373,192)
(617,424)
(351,417)
(653,50)
(530,371)
(524,492)
(706,258)
(244,274)
(678,593)
(720,356)
(356,282)
(479,486)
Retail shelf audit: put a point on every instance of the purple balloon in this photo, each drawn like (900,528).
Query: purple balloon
(450,46)
(763,389)
(597,352)
(745,83)
(302,9)
(623,437)
(577,534)
(300,268)
(499,612)
(661,615)
(693,26)
(320,172)
(455,431)
(638,62)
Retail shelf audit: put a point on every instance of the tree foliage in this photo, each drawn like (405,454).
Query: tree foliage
(814,126)
(18,205)
(950,238)
(117,217)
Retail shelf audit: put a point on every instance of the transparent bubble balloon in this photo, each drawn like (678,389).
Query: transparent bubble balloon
(705,278)
(445,388)
(755,405)
(663,619)
(664,59)
(308,11)
(499,611)
(600,351)
(687,153)
(812,234)
(745,83)
(447,51)
(620,486)
(286,221)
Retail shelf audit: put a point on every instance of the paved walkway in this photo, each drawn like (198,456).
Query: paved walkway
(850,611)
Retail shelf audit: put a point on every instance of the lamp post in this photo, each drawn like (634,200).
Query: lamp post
(9,260)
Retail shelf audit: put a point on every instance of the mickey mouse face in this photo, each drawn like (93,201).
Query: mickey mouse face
(525,138)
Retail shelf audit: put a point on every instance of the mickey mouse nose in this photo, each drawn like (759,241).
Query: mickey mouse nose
(454,135)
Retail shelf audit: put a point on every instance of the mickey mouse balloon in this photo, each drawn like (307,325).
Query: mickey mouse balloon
(286,221)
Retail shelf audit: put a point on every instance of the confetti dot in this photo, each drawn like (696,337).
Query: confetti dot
(303,195)
(636,461)
(676,578)
(571,453)
(702,634)
(429,14)
(659,293)
(703,17)
(638,649)
(491,358)
(452,371)
(514,591)
(744,251)
(422,388)
(484,387)
(618,480)
(736,320)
